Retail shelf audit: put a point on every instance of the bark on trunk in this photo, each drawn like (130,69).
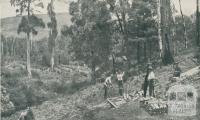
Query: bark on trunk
(197,25)
(168,57)
(145,52)
(6,47)
(159,29)
(197,31)
(13,47)
(52,58)
(28,57)
(113,63)
(150,49)
(138,52)
(2,50)
(184,27)
(28,46)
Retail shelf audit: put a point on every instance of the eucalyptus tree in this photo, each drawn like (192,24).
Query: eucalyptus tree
(183,24)
(90,33)
(28,24)
(52,25)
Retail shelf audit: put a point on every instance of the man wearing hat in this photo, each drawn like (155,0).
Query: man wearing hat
(151,78)
(149,81)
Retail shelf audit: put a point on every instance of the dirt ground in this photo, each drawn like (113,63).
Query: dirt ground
(75,106)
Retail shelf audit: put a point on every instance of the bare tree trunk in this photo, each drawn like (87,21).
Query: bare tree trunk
(173,27)
(28,63)
(2,45)
(197,31)
(184,28)
(52,58)
(113,63)
(31,41)
(13,47)
(93,67)
(28,46)
(138,52)
(150,49)
(6,47)
(197,25)
(2,50)
(145,51)
(159,30)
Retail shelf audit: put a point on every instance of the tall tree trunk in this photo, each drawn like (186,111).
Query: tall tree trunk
(159,29)
(145,51)
(28,45)
(197,25)
(31,41)
(168,57)
(113,63)
(2,50)
(123,22)
(13,47)
(150,49)
(166,19)
(198,31)
(28,62)
(52,58)
(173,27)
(184,27)
(6,47)
(93,67)
(138,52)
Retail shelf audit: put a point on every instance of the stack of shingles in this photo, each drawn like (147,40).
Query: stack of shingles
(154,106)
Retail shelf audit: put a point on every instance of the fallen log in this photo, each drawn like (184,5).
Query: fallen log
(190,72)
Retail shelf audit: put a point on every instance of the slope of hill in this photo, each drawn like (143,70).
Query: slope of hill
(9,25)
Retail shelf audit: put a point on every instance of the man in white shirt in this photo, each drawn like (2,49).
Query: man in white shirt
(151,78)
(107,83)
(149,81)
(120,76)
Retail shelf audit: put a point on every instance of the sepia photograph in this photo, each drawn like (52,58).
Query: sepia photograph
(100,59)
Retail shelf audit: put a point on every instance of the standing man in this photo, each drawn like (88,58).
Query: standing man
(146,83)
(151,79)
(120,76)
(107,84)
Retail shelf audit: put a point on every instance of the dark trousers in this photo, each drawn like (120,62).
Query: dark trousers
(121,88)
(151,88)
(106,91)
(145,87)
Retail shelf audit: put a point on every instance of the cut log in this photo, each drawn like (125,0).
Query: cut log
(190,72)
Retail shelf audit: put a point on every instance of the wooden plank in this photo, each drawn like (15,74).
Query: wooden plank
(112,103)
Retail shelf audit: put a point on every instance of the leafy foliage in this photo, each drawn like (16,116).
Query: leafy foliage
(90,32)
(29,27)
(52,26)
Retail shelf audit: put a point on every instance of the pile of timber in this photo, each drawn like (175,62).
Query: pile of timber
(116,102)
(154,106)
